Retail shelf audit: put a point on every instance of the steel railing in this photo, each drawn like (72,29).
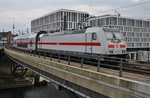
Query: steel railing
(98,61)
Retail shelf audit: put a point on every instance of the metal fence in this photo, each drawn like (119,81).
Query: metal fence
(96,61)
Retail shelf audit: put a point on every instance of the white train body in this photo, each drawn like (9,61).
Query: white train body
(26,42)
(94,40)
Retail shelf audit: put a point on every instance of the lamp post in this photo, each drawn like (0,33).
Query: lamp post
(13,28)
(3,37)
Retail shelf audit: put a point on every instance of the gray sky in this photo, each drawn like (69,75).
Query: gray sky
(21,12)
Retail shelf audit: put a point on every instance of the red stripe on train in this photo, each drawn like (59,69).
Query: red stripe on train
(66,43)
(47,43)
(81,43)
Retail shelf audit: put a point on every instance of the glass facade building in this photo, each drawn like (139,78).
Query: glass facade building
(59,20)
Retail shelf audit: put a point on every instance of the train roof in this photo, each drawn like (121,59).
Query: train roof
(106,29)
(66,32)
(26,36)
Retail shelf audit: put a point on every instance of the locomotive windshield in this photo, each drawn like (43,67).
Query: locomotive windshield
(113,34)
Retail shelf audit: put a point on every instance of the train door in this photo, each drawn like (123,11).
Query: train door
(39,41)
(88,41)
(30,45)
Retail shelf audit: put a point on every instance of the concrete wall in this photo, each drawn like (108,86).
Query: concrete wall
(108,85)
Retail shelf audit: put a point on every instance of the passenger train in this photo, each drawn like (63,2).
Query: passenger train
(92,40)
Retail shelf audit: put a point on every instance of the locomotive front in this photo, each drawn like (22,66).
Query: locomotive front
(116,44)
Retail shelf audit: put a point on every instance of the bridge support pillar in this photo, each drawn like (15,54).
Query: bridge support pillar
(36,79)
(17,68)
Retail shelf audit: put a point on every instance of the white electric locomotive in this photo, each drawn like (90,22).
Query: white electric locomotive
(94,40)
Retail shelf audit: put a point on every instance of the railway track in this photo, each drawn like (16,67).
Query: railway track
(142,68)
(119,64)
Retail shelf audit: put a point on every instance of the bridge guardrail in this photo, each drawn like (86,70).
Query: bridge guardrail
(120,64)
(40,63)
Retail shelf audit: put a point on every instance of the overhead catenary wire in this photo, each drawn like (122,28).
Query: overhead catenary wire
(114,9)
(123,7)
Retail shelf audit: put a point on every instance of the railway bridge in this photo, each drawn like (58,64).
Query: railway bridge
(83,81)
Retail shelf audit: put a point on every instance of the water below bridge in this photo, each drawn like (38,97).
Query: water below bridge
(37,92)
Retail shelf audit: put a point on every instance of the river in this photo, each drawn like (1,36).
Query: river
(37,92)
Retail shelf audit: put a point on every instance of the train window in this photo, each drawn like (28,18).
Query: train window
(94,36)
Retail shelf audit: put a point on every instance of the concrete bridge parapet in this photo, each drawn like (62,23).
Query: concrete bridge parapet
(108,85)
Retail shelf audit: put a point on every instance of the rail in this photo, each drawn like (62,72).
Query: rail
(74,59)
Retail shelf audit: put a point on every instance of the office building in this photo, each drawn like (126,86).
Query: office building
(60,20)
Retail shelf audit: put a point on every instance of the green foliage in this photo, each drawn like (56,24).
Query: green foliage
(31,74)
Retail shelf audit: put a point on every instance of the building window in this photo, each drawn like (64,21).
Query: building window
(124,33)
(108,21)
(98,22)
(113,21)
(124,22)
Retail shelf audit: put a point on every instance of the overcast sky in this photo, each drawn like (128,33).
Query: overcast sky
(21,12)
